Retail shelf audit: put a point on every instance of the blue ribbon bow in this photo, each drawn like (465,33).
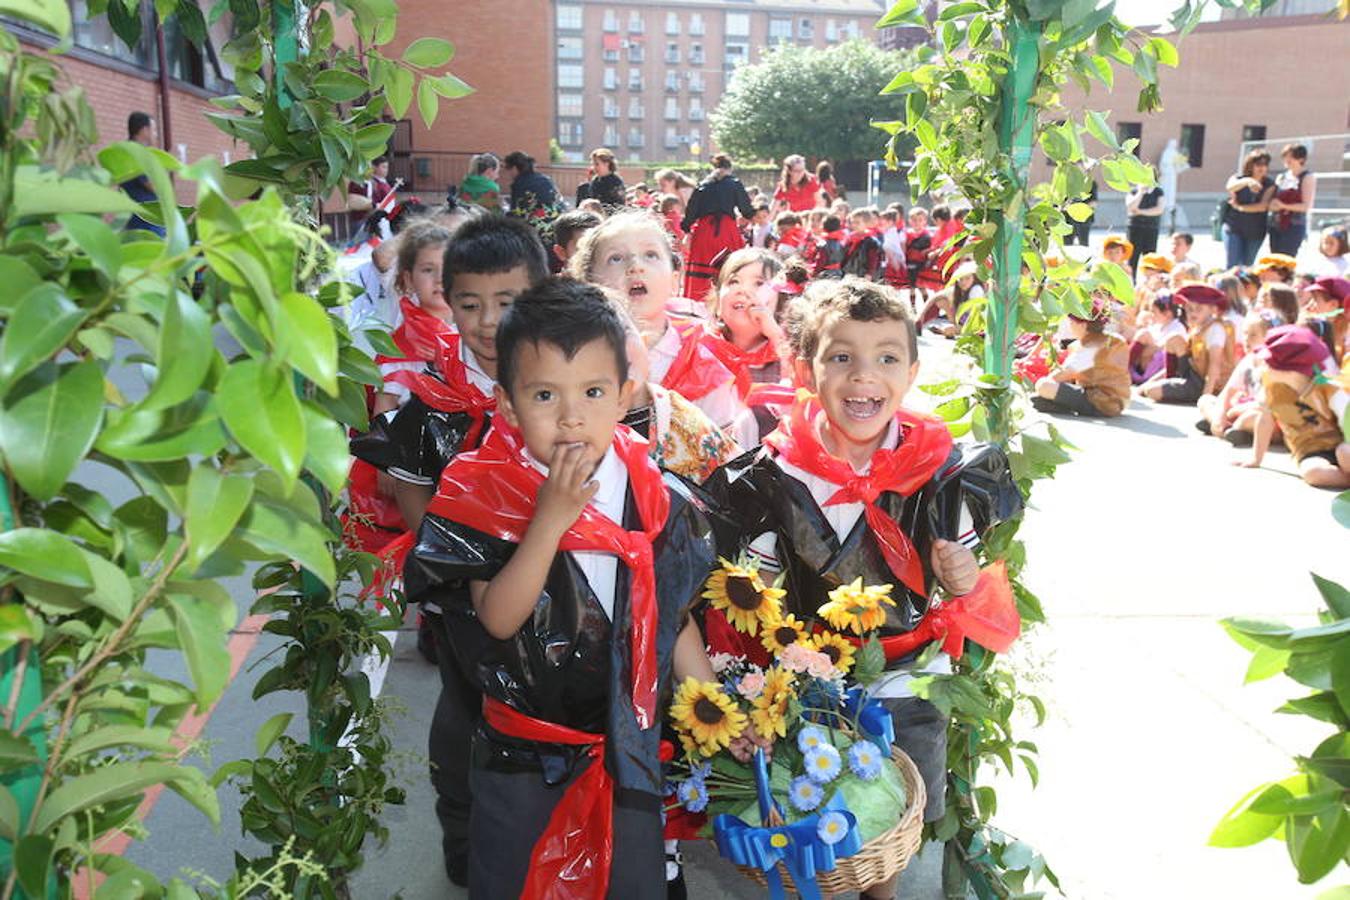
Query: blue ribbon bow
(874,720)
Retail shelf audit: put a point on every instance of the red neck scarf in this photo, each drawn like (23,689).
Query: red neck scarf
(834,235)
(925,445)
(421,336)
(739,362)
(493,490)
(696,372)
(793,237)
(452,392)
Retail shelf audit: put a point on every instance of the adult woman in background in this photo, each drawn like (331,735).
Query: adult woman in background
(710,219)
(480,185)
(1144,206)
(1244,221)
(533,194)
(677,183)
(798,189)
(605,184)
(1293,198)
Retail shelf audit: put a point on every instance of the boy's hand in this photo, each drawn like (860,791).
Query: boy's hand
(567,490)
(955,567)
(743,747)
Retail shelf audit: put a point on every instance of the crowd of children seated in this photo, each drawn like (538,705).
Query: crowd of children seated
(566,440)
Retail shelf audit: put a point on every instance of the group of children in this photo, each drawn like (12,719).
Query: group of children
(568,456)
(1261,352)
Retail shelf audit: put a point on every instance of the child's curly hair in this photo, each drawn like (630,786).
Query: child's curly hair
(846,298)
(582,263)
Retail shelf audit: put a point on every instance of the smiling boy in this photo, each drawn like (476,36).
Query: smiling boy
(852,485)
(581,561)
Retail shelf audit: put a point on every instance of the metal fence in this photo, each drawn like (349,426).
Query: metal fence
(1329,160)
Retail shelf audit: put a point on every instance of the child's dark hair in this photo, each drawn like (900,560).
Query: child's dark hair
(847,298)
(1284,300)
(1166,301)
(669,203)
(1232,289)
(563,312)
(786,220)
(942,213)
(1184,236)
(520,161)
(831,223)
(569,225)
(135,122)
(414,238)
(493,244)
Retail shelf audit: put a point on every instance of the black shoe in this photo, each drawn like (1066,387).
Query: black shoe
(1202,426)
(1239,438)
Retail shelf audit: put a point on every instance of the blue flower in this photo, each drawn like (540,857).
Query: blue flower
(822,763)
(805,794)
(701,771)
(832,827)
(864,759)
(693,793)
(810,737)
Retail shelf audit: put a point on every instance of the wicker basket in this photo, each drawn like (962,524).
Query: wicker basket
(884,855)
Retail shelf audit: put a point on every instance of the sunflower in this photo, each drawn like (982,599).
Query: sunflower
(855,608)
(771,706)
(780,635)
(705,717)
(736,589)
(837,648)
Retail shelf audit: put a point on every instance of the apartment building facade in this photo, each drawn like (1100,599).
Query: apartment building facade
(642,77)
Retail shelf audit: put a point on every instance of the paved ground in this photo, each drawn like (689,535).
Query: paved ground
(1137,549)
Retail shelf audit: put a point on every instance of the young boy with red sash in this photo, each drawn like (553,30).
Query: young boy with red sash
(451,401)
(852,485)
(581,561)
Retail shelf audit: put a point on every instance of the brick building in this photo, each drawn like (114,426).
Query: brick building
(641,77)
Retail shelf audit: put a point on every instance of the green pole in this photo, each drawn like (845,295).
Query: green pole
(1017,128)
(286,44)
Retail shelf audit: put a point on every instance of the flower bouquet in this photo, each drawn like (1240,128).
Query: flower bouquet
(834,803)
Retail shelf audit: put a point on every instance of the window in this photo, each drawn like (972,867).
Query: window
(570,75)
(672,52)
(611,108)
(569,17)
(635,52)
(806,29)
(780,28)
(635,137)
(635,22)
(1254,134)
(609,44)
(848,30)
(1193,144)
(695,83)
(569,48)
(611,20)
(1127,130)
(673,82)
(570,134)
(672,23)
(738,24)
(696,54)
(696,24)
(735,55)
(611,79)
(569,104)
(635,79)
(611,136)
(672,138)
(695,109)
(635,108)
(672,109)
(831,30)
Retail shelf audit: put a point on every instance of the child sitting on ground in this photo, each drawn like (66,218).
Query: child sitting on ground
(630,253)
(1281,300)
(1326,310)
(1308,412)
(1202,363)
(1232,413)
(831,495)
(1333,251)
(1166,324)
(1094,379)
(559,525)
(1118,250)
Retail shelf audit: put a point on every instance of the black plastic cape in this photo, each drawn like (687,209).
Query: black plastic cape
(417,443)
(566,665)
(973,490)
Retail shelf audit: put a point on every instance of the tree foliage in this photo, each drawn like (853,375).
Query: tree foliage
(809,101)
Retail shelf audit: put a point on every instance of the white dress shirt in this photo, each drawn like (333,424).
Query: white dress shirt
(722,404)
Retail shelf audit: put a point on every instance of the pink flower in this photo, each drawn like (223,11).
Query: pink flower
(796,657)
(751,685)
(819,665)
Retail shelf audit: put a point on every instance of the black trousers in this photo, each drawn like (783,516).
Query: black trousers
(458,710)
(512,809)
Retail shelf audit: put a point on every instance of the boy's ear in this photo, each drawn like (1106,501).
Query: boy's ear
(504,407)
(913,371)
(806,376)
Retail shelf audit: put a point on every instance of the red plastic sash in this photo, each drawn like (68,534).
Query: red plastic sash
(493,490)
(571,859)
(695,372)
(987,615)
(452,392)
(739,361)
(926,443)
(422,336)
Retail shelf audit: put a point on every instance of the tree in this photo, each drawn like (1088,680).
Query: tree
(814,102)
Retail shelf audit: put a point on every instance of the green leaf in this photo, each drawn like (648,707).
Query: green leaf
(112,589)
(1336,597)
(1114,279)
(9,815)
(1295,796)
(192,786)
(45,555)
(141,435)
(429,53)
(272,729)
(92,235)
(381,342)
(48,421)
(154,739)
(18,278)
(40,325)
(450,87)
(904,12)
(45,193)
(399,89)
(1079,212)
(18,623)
(118,781)
(1317,843)
(372,140)
(1241,827)
(15,751)
(275,529)
(1164,51)
(52,15)
(339,85)
(957,10)
(1322,706)
(902,83)
(1340,507)
(184,355)
(260,409)
(311,344)
(428,104)
(326,452)
(33,860)
(215,502)
(203,640)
